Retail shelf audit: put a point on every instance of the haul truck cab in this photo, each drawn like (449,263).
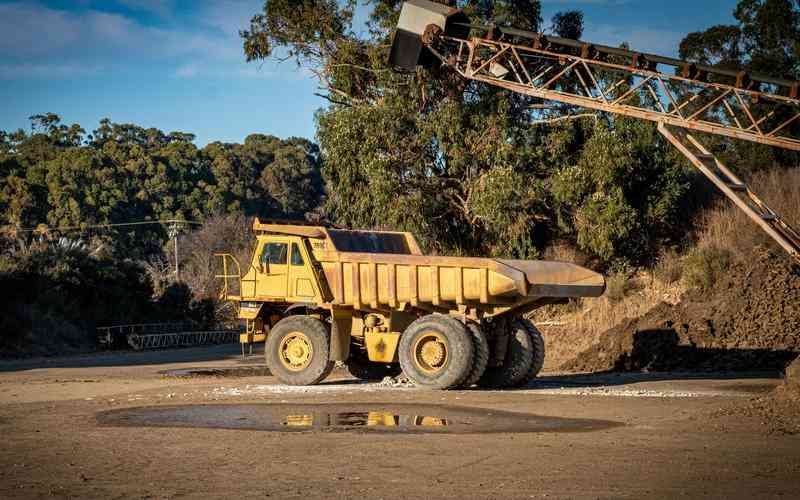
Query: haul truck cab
(281,272)
(315,295)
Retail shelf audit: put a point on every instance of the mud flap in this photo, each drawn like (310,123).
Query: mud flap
(341,325)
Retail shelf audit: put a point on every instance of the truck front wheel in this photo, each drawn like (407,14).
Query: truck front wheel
(298,350)
(436,351)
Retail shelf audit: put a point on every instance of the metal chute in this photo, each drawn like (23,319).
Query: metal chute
(408,48)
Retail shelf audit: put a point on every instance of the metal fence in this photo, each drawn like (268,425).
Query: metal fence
(161,335)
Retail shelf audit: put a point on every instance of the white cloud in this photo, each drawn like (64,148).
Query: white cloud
(36,31)
(189,70)
(33,29)
(37,39)
(230,16)
(159,7)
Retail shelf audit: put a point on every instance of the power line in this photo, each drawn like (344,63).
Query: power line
(173,231)
(105,226)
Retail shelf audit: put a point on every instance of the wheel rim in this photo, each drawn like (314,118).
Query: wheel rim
(295,351)
(430,352)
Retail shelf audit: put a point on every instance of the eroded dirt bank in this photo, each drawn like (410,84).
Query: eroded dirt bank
(750,320)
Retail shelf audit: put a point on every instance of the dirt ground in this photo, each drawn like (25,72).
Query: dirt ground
(112,426)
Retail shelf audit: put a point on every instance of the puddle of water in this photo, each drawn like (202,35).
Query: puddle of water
(237,371)
(404,418)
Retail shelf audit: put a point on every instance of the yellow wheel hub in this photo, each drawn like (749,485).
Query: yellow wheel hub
(295,351)
(430,352)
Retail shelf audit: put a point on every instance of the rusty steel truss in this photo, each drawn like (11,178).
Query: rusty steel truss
(630,86)
(732,104)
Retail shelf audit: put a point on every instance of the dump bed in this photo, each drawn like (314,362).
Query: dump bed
(374,280)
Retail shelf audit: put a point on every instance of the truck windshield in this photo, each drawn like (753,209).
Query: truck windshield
(274,253)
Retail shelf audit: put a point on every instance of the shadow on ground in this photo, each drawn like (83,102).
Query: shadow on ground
(134,358)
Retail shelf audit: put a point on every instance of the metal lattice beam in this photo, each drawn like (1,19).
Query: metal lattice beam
(624,88)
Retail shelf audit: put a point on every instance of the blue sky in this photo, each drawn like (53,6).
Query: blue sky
(178,64)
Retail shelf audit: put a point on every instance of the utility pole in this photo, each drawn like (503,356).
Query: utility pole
(174,231)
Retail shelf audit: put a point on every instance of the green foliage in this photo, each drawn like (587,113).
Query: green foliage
(62,293)
(61,177)
(621,194)
(765,40)
(463,164)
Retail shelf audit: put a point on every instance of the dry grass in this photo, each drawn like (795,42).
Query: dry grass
(570,330)
(668,268)
(724,233)
(728,228)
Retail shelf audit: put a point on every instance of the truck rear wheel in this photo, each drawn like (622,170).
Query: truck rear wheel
(297,350)
(517,363)
(436,351)
(537,341)
(481,355)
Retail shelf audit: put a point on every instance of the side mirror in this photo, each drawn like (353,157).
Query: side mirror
(264,267)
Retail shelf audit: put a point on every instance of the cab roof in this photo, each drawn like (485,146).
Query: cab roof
(345,240)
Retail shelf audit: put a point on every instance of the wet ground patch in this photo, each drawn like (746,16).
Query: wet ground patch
(233,371)
(389,418)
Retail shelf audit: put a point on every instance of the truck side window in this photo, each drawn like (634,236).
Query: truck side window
(274,253)
(297,258)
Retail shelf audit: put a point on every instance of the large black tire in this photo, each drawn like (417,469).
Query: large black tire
(537,341)
(314,335)
(517,363)
(480,357)
(436,351)
(362,368)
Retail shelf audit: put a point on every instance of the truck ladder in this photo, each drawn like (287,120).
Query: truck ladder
(735,189)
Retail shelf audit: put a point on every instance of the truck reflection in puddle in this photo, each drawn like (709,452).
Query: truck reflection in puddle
(359,419)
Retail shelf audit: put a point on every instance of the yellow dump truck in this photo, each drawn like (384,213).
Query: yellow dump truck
(316,295)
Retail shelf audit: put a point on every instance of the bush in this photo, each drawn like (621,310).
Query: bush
(668,268)
(62,293)
(619,284)
(703,266)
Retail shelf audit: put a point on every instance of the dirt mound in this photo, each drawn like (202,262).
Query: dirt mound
(791,382)
(749,321)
